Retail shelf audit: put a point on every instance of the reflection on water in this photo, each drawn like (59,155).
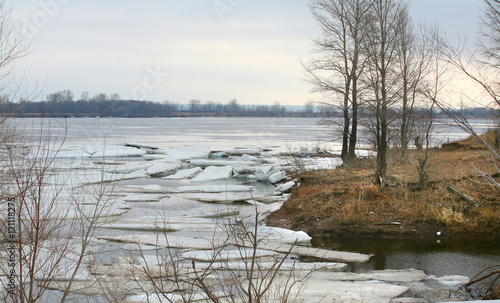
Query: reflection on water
(443,257)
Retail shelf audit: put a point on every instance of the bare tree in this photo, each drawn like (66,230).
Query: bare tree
(384,76)
(50,226)
(341,61)
(481,67)
(414,59)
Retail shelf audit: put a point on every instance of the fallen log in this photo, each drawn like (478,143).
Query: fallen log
(470,200)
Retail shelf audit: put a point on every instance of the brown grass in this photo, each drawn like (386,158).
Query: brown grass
(346,202)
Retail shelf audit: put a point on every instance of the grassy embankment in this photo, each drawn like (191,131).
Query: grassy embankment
(344,202)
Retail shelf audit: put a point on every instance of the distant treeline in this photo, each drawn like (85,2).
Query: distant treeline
(62,104)
(132,108)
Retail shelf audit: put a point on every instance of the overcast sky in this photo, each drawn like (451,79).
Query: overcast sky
(212,50)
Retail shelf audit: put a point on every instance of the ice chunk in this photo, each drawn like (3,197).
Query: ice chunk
(206,163)
(235,254)
(160,168)
(140,145)
(277,177)
(246,157)
(144,197)
(244,170)
(284,187)
(215,188)
(189,152)
(284,235)
(135,175)
(162,157)
(265,169)
(453,280)
(362,153)
(240,151)
(131,169)
(116,152)
(185,174)
(317,252)
(339,291)
(214,173)
(172,241)
(226,197)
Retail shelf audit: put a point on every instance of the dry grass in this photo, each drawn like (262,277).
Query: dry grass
(345,201)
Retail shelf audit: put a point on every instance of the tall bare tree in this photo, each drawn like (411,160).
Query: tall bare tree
(341,61)
(384,74)
(481,67)
(414,59)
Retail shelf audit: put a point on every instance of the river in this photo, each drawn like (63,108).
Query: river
(274,135)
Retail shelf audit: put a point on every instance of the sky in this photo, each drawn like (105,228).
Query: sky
(211,50)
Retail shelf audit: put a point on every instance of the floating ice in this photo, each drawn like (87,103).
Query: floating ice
(452,280)
(115,152)
(215,188)
(160,168)
(170,241)
(140,145)
(188,152)
(240,151)
(206,163)
(225,197)
(244,170)
(130,169)
(184,174)
(214,173)
(226,254)
(246,157)
(282,235)
(284,187)
(277,177)
(144,197)
(349,292)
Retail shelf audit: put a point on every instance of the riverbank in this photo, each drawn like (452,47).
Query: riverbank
(344,202)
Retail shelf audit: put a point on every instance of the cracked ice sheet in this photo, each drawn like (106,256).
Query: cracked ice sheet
(349,292)
(212,173)
(185,152)
(144,197)
(172,241)
(227,255)
(387,275)
(162,167)
(184,174)
(215,188)
(288,265)
(225,197)
(164,223)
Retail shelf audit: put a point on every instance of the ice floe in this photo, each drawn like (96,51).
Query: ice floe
(214,173)
(144,197)
(277,177)
(140,145)
(215,188)
(160,168)
(198,191)
(185,174)
(206,163)
(239,151)
(285,186)
(224,197)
